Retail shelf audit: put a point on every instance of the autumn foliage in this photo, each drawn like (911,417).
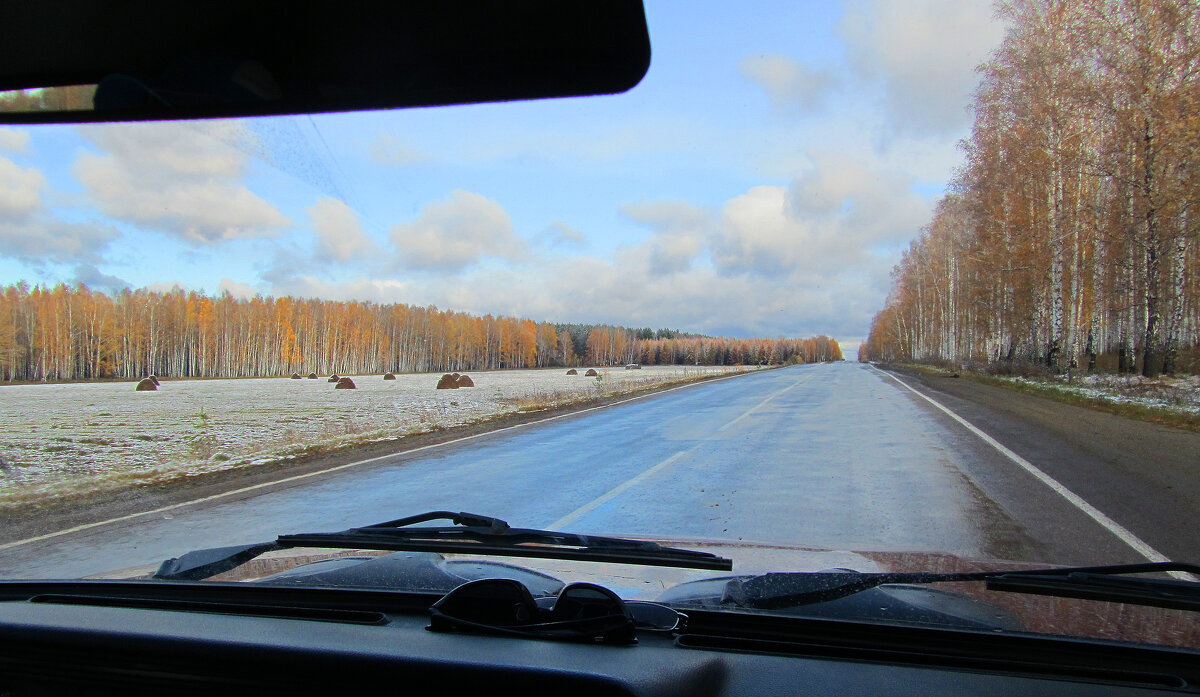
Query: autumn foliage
(76,333)
(1071,234)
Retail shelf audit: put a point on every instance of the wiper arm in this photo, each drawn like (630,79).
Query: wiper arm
(782,590)
(470,534)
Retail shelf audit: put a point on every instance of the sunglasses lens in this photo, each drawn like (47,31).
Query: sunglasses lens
(655,617)
(583,601)
(497,602)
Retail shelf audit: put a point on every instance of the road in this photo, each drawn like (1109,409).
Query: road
(838,456)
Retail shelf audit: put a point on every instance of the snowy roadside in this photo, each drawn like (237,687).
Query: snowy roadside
(1178,395)
(88,437)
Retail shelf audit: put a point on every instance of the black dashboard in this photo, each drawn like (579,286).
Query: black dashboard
(54,642)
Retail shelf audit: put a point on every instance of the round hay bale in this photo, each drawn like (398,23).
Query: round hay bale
(591,373)
(153,379)
(146,385)
(312,376)
(345,384)
(572,371)
(295,376)
(465,381)
(448,382)
(334,378)
(389,376)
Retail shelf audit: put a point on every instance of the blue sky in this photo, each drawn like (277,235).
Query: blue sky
(761,180)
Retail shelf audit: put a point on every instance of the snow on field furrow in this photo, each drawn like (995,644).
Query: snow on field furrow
(72,435)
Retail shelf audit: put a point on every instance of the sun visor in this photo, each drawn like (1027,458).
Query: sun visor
(74,60)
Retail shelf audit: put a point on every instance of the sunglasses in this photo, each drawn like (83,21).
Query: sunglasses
(580,612)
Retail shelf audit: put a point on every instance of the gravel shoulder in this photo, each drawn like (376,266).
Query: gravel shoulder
(1146,476)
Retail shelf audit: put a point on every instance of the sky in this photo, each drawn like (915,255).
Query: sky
(761,180)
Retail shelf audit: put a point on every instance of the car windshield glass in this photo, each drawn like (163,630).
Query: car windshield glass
(849,287)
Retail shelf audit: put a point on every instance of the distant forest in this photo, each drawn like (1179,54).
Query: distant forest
(64,333)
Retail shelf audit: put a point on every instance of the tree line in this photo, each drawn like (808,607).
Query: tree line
(64,332)
(1070,234)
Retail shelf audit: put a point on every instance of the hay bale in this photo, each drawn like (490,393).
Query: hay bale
(345,384)
(572,371)
(153,379)
(448,382)
(295,376)
(312,376)
(464,381)
(389,376)
(334,378)
(591,373)
(633,366)
(146,385)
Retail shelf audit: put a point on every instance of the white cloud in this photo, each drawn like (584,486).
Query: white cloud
(776,260)
(29,233)
(390,150)
(14,140)
(44,239)
(559,234)
(166,287)
(92,277)
(681,232)
(924,52)
(238,290)
(340,235)
(870,203)
(177,179)
(455,233)
(789,84)
(20,190)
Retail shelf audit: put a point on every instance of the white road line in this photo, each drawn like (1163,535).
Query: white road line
(298,477)
(588,507)
(755,408)
(1122,533)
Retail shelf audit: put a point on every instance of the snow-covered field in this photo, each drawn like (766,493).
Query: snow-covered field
(66,437)
(1177,394)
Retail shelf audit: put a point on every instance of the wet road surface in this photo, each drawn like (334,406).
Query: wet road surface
(833,456)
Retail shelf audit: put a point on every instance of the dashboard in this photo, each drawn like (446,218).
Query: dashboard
(54,641)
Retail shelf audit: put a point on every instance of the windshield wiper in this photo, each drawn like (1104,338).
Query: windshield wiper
(470,534)
(1111,583)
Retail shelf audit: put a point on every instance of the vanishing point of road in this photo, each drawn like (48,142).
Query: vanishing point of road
(834,456)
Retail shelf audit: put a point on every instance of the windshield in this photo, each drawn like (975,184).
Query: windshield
(639,315)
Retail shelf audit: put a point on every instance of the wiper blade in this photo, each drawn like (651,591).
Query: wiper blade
(470,534)
(1111,583)
(1169,593)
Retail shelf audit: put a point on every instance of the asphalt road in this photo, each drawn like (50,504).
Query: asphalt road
(834,456)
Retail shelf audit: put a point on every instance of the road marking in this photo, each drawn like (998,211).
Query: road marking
(755,408)
(298,477)
(1122,533)
(615,491)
